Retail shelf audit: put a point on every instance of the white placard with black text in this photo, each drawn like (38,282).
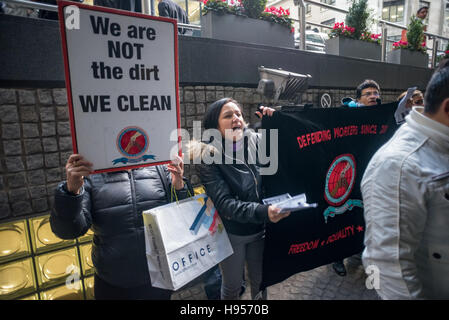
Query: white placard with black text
(122,84)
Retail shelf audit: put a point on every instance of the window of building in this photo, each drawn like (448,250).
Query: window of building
(194,11)
(330,22)
(308,8)
(446,14)
(331,2)
(393,10)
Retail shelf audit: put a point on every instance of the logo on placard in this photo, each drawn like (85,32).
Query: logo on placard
(132,143)
(339,183)
(208,217)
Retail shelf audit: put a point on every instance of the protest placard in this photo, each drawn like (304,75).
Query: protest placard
(122,85)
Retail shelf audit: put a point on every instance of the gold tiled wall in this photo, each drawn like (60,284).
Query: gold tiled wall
(37,265)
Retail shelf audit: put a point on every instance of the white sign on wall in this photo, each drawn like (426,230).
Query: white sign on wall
(122,85)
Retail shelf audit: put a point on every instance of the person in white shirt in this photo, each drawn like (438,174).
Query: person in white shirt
(405,191)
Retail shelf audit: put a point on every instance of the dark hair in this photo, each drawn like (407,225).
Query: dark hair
(368,83)
(210,119)
(437,88)
(422,8)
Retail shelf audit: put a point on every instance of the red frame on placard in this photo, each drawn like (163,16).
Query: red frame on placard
(64,3)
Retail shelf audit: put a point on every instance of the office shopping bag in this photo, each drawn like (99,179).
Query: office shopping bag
(183,240)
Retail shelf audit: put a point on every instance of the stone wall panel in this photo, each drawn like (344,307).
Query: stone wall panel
(36,139)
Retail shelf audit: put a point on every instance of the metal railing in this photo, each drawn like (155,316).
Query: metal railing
(49,7)
(383,23)
(302,23)
(33,5)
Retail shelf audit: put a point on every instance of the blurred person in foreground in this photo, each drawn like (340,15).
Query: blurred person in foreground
(405,191)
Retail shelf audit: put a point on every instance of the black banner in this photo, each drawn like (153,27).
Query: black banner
(322,153)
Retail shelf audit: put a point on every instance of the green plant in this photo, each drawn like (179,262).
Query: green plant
(217,6)
(254,8)
(279,16)
(357,21)
(236,7)
(357,17)
(400,45)
(340,30)
(415,35)
(370,37)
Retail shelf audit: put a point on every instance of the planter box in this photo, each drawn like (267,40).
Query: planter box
(236,28)
(408,57)
(346,47)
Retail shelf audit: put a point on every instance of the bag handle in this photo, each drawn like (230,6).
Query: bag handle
(163,177)
(172,191)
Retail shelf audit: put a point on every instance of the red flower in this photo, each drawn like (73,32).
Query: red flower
(446,52)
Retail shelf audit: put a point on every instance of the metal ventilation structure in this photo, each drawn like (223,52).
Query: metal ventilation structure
(282,86)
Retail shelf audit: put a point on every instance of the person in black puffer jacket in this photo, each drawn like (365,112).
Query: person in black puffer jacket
(112,205)
(234,184)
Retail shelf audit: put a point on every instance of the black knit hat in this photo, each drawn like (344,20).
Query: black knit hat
(210,119)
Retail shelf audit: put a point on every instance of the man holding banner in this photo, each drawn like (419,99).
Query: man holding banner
(367,94)
(406,196)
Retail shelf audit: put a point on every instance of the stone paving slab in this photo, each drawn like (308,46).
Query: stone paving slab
(321,283)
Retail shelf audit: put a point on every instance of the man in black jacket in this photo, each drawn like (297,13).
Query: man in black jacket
(170,9)
(111,204)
